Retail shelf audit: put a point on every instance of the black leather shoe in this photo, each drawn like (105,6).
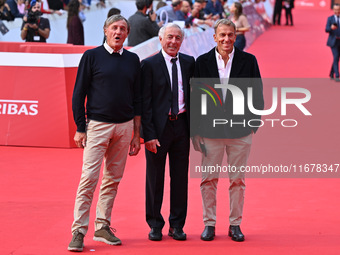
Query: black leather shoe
(337,79)
(208,233)
(235,233)
(177,234)
(155,234)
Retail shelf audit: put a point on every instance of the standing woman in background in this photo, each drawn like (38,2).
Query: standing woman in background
(241,23)
(75,27)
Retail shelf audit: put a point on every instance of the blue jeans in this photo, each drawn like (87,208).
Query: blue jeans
(240,42)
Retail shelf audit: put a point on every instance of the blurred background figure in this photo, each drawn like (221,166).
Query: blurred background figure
(101,3)
(242,25)
(45,8)
(288,5)
(13,6)
(168,13)
(5,11)
(143,23)
(193,16)
(333,41)
(75,29)
(277,12)
(215,8)
(113,11)
(184,14)
(160,4)
(81,11)
(56,5)
(21,7)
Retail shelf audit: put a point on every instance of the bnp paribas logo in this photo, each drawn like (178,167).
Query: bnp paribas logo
(18,107)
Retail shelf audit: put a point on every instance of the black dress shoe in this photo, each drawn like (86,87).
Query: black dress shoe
(155,234)
(208,233)
(177,234)
(236,234)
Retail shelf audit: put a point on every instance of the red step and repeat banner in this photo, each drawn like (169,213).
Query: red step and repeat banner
(37,82)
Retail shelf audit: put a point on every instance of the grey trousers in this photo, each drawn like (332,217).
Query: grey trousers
(237,151)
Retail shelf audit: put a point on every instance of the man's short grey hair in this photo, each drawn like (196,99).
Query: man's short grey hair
(226,22)
(162,30)
(115,18)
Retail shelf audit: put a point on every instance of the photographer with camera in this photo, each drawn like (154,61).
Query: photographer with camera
(35,28)
(143,23)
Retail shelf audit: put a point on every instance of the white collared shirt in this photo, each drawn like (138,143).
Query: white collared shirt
(336,19)
(224,70)
(167,58)
(110,50)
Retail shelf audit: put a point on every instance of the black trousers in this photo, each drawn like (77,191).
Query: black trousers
(289,16)
(174,142)
(277,14)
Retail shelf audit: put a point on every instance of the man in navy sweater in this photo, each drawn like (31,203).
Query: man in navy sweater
(109,77)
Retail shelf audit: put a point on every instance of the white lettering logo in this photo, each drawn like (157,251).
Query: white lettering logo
(18,107)
(238,100)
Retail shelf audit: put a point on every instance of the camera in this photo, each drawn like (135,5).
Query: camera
(150,13)
(33,17)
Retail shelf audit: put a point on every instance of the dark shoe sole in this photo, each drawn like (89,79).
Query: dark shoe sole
(207,239)
(236,239)
(155,239)
(176,238)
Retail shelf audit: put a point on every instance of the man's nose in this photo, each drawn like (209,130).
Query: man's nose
(173,40)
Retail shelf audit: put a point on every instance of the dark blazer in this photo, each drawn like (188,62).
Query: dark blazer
(244,74)
(332,33)
(157,94)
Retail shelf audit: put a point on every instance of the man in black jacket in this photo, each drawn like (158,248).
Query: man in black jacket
(240,72)
(165,121)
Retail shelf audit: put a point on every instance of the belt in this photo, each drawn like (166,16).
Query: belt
(174,117)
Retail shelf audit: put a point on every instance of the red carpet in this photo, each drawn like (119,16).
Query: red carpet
(282,215)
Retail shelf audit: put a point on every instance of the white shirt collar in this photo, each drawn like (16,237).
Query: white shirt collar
(110,50)
(167,57)
(219,56)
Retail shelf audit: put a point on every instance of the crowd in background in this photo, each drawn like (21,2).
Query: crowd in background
(145,23)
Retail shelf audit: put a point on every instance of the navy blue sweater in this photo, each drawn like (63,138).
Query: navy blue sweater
(111,84)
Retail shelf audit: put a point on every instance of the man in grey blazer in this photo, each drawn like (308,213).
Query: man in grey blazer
(143,24)
(333,29)
(241,69)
